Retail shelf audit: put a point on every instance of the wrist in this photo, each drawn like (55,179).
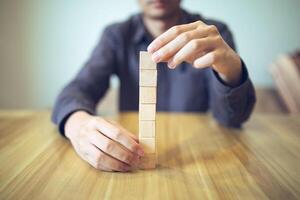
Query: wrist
(233,74)
(74,122)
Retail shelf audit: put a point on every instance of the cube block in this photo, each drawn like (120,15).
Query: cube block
(148,144)
(147,112)
(148,161)
(148,77)
(146,61)
(147,95)
(146,129)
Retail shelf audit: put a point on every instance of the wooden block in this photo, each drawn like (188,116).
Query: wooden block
(148,144)
(148,77)
(148,161)
(147,94)
(147,112)
(146,61)
(146,129)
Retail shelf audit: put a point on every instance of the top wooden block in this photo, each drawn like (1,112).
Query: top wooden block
(146,61)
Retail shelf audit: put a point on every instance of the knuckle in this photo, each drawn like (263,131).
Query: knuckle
(100,158)
(219,40)
(127,158)
(199,23)
(159,41)
(185,37)
(176,60)
(212,29)
(176,30)
(194,44)
(201,29)
(118,134)
(165,51)
(109,146)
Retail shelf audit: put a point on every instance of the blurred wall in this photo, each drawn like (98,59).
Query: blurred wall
(44,43)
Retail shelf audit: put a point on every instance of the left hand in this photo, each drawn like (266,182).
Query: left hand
(200,45)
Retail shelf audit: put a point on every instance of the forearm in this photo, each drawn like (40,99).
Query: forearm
(90,84)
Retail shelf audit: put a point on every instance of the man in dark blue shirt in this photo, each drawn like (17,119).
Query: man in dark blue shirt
(198,70)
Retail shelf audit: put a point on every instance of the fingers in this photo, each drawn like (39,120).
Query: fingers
(112,148)
(106,146)
(170,49)
(125,131)
(192,50)
(101,161)
(206,60)
(170,34)
(119,135)
(188,42)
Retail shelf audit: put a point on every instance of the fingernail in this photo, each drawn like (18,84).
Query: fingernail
(171,65)
(155,57)
(150,48)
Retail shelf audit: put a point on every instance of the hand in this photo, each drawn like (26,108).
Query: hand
(198,44)
(104,145)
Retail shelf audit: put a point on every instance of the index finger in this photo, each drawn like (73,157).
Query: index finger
(120,136)
(125,131)
(170,34)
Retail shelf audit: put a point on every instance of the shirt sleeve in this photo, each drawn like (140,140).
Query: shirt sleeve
(230,106)
(89,85)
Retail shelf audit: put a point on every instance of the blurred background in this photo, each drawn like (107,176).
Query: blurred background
(43,44)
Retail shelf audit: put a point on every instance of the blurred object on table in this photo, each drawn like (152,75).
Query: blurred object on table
(286,75)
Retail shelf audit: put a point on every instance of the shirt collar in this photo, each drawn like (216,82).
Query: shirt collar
(142,34)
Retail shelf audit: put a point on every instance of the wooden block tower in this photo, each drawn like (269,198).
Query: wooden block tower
(147,109)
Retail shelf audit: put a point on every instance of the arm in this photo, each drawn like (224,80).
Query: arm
(231,92)
(103,144)
(231,102)
(230,106)
(90,84)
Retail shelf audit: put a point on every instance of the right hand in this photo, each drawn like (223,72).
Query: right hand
(104,145)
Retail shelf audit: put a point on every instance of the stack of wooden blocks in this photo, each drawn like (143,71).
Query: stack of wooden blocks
(147,109)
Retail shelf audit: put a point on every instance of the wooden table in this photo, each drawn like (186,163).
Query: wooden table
(197,159)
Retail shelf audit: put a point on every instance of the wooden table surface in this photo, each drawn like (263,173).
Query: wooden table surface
(197,159)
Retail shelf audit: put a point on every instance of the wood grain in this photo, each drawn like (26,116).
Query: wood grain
(197,159)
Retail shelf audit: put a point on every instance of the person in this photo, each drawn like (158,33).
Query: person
(198,70)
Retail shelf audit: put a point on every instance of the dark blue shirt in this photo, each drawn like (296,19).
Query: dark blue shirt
(184,89)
